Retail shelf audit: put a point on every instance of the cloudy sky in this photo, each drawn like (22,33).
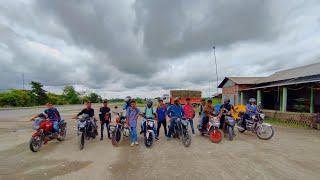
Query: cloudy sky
(145,48)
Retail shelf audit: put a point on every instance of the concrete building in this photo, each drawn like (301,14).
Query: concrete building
(294,90)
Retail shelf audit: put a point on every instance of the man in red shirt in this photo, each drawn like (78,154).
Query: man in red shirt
(189,113)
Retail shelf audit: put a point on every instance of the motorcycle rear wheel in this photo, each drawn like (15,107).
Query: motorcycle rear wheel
(216,136)
(82,139)
(150,141)
(186,139)
(230,133)
(63,134)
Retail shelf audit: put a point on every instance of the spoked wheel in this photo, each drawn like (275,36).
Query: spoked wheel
(215,136)
(116,137)
(186,139)
(230,132)
(265,132)
(148,142)
(82,139)
(35,143)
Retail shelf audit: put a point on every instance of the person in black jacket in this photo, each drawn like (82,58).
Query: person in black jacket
(89,111)
(105,118)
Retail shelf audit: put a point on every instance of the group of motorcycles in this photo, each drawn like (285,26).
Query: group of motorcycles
(87,130)
(254,124)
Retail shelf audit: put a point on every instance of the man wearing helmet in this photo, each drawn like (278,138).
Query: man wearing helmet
(149,113)
(174,110)
(228,107)
(251,109)
(127,104)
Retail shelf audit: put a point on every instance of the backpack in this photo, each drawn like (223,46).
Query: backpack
(145,110)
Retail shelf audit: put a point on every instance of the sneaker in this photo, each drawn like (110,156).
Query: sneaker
(109,138)
(157,139)
(137,143)
(168,138)
(132,144)
(101,138)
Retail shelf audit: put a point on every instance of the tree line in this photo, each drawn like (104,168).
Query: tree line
(38,96)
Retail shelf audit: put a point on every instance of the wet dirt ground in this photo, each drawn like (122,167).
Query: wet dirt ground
(291,154)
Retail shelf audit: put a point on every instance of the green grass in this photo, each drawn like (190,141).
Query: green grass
(275,122)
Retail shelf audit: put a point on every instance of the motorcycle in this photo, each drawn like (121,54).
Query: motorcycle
(180,129)
(256,125)
(86,130)
(230,123)
(44,128)
(149,135)
(212,129)
(119,130)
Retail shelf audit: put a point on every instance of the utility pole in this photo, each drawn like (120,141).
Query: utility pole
(22,81)
(215,60)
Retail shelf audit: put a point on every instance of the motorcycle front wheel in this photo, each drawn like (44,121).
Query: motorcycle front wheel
(265,132)
(216,136)
(186,139)
(230,133)
(148,142)
(116,137)
(35,143)
(81,139)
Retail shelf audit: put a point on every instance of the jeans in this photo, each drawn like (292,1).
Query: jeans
(164,123)
(133,134)
(191,124)
(173,121)
(204,123)
(108,128)
(56,126)
(201,119)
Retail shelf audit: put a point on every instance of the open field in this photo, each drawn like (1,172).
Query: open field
(293,153)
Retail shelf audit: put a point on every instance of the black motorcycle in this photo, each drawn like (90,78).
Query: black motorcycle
(230,123)
(180,129)
(119,130)
(86,129)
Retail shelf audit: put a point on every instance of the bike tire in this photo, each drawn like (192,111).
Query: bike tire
(216,136)
(63,134)
(31,144)
(230,133)
(267,138)
(150,141)
(116,137)
(82,139)
(186,139)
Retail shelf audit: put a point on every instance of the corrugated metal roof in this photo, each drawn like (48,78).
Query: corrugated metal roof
(303,71)
(240,80)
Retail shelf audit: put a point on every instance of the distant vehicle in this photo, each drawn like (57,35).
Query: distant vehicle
(195,97)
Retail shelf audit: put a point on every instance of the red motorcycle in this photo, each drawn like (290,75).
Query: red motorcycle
(212,129)
(45,133)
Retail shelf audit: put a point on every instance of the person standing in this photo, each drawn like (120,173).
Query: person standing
(105,118)
(201,111)
(161,116)
(189,113)
(132,116)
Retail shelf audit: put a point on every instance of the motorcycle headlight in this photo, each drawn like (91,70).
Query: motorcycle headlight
(262,116)
(81,124)
(150,123)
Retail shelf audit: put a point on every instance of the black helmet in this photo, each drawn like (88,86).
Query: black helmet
(226,100)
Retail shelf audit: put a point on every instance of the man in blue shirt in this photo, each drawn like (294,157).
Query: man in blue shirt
(52,114)
(251,109)
(132,117)
(161,116)
(174,111)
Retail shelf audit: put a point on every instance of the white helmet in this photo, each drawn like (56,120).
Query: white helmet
(128,98)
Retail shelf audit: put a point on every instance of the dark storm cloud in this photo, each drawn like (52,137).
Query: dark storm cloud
(140,46)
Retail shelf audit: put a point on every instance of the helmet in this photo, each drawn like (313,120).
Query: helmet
(252,100)
(226,100)
(128,98)
(176,99)
(149,102)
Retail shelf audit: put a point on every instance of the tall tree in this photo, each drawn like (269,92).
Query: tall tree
(70,95)
(94,97)
(39,93)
